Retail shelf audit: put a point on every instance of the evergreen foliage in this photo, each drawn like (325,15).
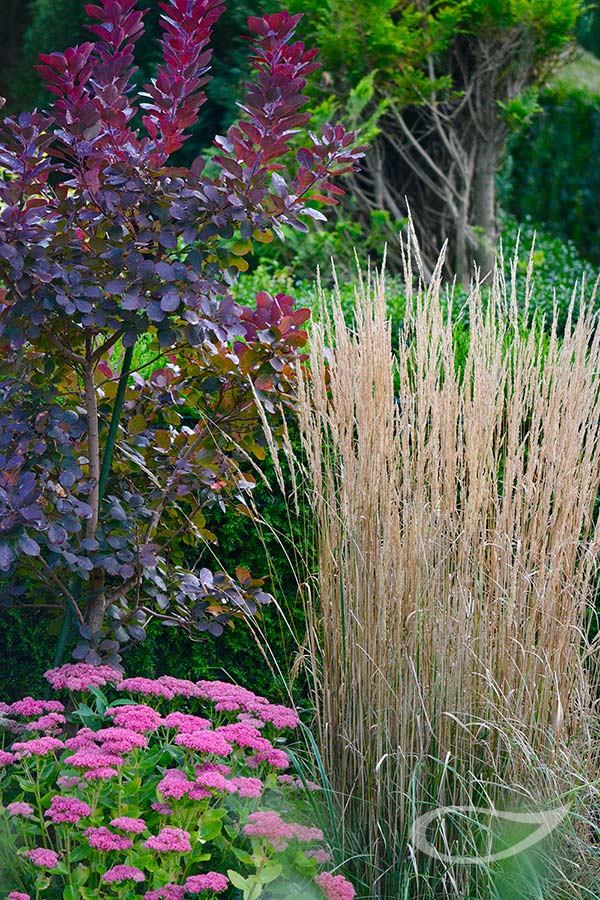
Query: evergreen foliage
(551,178)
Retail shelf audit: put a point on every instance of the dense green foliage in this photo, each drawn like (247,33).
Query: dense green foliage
(558,268)
(588,29)
(551,176)
(396,37)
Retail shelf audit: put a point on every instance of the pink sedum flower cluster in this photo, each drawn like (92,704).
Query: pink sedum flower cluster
(335,887)
(120,740)
(204,741)
(163,809)
(50,722)
(269,825)
(98,764)
(181,687)
(175,785)
(147,687)
(212,881)
(246,787)
(273,757)
(45,716)
(244,736)
(169,891)
(298,783)
(129,825)
(321,856)
(103,838)
(143,777)
(37,747)
(67,809)
(121,873)
(68,781)
(138,718)
(43,858)
(81,677)
(30,707)
(233,698)
(19,808)
(170,840)
(186,722)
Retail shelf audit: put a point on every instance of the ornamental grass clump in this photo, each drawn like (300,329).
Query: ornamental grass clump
(164,788)
(456,526)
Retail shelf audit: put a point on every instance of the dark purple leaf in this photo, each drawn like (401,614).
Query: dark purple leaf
(28,546)
(6,557)
(57,534)
(170,302)
(279,185)
(137,632)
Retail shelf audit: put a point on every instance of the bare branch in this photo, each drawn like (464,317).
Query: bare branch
(65,351)
(105,347)
(62,587)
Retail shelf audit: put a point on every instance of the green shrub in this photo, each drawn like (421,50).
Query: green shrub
(550,176)
(588,29)
(336,241)
(558,267)
(28,648)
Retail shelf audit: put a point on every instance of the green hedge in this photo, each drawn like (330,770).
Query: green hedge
(28,642)
(558,267)
(552,176)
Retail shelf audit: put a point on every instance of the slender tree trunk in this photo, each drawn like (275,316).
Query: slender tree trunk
(94,612)
(483,210)
(91,406)
(461,260)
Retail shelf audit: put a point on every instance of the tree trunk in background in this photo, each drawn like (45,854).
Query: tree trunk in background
(462,268)
(483,208)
